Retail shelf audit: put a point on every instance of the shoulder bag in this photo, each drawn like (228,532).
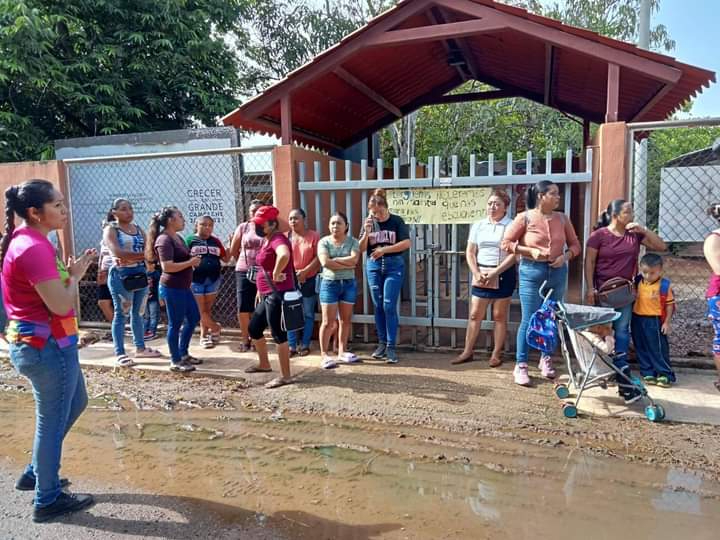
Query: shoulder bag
(137,280)
(616,293)
(292,315)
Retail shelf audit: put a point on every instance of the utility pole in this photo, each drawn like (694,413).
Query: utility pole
(644,34)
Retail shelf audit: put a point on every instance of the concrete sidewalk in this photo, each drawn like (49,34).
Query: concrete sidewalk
(693,400)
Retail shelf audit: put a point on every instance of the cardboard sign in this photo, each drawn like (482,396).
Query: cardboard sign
(436,206)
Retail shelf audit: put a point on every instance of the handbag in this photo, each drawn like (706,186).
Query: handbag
(616,293)
(136,281)
(292,315)
(251,270)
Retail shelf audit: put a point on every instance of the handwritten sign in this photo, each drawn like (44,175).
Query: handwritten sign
(434,206)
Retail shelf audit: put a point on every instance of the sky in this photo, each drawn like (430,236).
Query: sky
(694,25)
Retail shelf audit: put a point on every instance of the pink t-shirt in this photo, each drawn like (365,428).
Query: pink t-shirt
(304,249)
(266,258)
(714,283)
(249,247)
(30,260)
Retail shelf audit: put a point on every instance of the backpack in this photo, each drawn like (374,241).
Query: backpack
(542,330)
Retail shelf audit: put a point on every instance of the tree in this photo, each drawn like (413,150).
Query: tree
(96,67)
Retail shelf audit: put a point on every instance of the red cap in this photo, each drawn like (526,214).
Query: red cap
(265,213)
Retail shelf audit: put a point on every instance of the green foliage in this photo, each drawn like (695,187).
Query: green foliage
(94,67)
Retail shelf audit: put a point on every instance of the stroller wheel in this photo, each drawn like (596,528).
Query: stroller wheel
(561,391)
(654,413)
(569,410)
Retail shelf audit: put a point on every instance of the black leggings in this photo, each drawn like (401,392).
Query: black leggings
(268,313)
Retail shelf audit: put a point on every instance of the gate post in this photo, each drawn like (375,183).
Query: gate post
(611,166)
(286,194)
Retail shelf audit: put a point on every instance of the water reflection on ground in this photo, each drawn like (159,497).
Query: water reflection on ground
(329,478)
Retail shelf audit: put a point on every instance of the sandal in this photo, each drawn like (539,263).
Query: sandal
(349,358)
(245,346)
(124,361)
(277,383)
(257,369)
(717,385)
(495,361)
(148,352)
(304,351)
(462,359)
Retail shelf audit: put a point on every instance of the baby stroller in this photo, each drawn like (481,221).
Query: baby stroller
(589,366)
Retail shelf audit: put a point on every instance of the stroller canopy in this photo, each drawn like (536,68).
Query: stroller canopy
(581,317)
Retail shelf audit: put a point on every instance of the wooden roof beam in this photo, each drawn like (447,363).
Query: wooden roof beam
(437,32)
(446,43)
(549,70)
(650,104)
(472,96)
(298,133)
(566,40)
(363,88)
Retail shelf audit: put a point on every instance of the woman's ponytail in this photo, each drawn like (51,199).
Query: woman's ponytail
(714,211)
(613,209)
(10,203)
(159,220)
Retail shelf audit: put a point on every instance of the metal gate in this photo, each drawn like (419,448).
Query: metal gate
(435,304)
(674,177)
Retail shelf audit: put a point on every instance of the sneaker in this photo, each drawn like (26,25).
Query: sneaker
(207,343)
(391,356)
(521,374)
(149,335)
(64,504)
(181,367)
(630,394)
(293,353)
(663,381)
(380,352)
(649,379)
(188,359)
(546,367)
(328,362)
(27,483)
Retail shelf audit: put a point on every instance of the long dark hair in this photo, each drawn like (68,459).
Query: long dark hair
(116,203)
(531,196)
(159,219)
(714,210)
(18,200)
(613,209)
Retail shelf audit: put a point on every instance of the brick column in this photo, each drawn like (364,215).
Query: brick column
(286,195)
(610,166)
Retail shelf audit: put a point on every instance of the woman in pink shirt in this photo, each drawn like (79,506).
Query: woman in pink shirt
(711,249)
(304,243)
(546,241)
(39,292)
(243,248)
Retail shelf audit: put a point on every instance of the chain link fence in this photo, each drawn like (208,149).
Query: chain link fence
(675,176)
(218,183)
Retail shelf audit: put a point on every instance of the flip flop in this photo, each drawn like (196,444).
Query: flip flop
(148,352)
(245,346)
(257,369)
(278,382)
(460,360)
(495,361)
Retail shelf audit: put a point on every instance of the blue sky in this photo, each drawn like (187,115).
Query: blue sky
(695,25)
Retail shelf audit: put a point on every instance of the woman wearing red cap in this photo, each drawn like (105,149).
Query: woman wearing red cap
(275,263)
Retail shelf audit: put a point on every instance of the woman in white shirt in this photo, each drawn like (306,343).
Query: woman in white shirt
(494,277)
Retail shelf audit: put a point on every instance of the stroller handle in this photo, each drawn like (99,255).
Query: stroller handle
(544,294)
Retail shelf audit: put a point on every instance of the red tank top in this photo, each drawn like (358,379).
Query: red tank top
(714,284)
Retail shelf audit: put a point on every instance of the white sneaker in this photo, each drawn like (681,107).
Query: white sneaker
(521,374)
(546,367)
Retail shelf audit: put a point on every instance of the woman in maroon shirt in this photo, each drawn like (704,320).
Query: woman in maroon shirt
(711,249)
(275,263)
(612,252)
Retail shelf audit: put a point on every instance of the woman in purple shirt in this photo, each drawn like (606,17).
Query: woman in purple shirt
(612,251)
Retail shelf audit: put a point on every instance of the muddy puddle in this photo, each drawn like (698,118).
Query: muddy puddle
(316,478)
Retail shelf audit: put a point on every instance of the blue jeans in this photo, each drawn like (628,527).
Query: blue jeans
(181,308)
(532,275)
(152,316)
(124,302)
(621,327)
(60,397)
(309,303)
(385,278)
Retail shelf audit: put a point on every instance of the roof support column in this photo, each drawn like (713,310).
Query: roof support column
(613,93)
(286,119)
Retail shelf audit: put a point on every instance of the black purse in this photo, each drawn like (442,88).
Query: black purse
(135,282)
(293,314)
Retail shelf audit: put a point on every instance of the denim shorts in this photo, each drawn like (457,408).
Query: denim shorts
(206,287)
(333,291)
